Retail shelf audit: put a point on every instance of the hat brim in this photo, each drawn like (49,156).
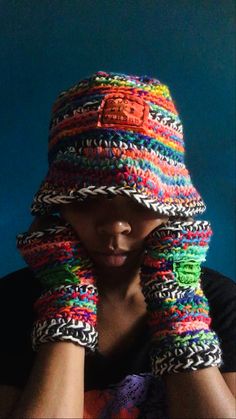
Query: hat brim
(50,197)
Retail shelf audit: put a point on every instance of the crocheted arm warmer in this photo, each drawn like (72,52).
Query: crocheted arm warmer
(66,310)
(178,311)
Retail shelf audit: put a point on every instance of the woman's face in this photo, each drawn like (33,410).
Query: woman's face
(112,230)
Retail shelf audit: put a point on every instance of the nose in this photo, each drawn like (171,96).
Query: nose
(113,228)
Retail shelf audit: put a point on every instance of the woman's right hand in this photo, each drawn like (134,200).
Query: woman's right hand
(68,306)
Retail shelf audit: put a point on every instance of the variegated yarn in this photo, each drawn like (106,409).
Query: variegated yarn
(115,134)
(179,317)
(67,308)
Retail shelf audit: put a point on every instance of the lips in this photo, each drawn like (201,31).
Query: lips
(114,253)
(113,258)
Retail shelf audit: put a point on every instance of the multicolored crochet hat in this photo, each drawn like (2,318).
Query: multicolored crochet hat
(117,134)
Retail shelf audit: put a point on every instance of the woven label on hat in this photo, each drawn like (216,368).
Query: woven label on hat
(123,110)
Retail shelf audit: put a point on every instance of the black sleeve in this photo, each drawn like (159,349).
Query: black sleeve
(18,292)
(221,294)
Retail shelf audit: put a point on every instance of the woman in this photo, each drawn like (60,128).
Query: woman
(122,325)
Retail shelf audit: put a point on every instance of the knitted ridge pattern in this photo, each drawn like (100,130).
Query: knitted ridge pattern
(67,308)
(117,134)
(179,317)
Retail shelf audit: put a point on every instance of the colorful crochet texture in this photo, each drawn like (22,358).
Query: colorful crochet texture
(115,134)
(67,308)
(179,320)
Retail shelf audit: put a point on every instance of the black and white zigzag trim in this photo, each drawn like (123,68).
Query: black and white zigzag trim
(27,238)
(167,120)
(182,226)
(154,290)
(44,201)
(187,359)
(56,330)
(78,288)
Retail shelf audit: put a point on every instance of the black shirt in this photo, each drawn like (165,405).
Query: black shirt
(117,385)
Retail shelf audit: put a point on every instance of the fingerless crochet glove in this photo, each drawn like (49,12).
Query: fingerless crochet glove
(66,310)
(178,310)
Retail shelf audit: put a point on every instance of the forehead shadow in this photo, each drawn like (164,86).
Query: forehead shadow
(107,198)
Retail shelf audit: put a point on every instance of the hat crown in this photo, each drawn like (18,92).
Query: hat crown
(116,101)
(103,79)
(113,133)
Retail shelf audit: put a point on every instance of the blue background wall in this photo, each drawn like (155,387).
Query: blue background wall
(47,46)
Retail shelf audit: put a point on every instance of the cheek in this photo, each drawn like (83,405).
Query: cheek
(81,223)
(84,223)
(83,226)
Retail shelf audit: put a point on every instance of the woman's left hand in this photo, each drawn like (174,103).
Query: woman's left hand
(179,318)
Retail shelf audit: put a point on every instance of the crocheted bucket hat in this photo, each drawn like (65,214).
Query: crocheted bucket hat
(117,134)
